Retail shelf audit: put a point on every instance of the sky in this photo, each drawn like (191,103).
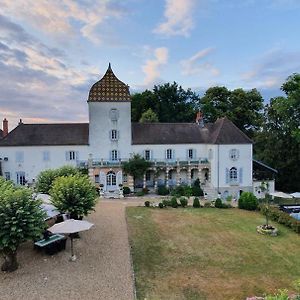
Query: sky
(52,51)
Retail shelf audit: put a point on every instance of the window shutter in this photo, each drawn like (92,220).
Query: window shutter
(110,135)
(187,154)
(67,155)
(144,154)
(150,154)
(194,153)
(241,175)
(166,152)
(118,135)
(227,175)
(173,154)
(119,156)
(110,155)
(77,155)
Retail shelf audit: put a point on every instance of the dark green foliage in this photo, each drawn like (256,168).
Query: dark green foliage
(196,203)
(126,190)
(170,102)
(74,194)
(182,190)
(183,201)
(166,202)
(136,166)
(149,116)
(248,201)
(218,203)
(21,219)
(160,205)
(197,191)
(162,190)
(147,203)
(45,178)
(275,214)
(174,202)
(140,193)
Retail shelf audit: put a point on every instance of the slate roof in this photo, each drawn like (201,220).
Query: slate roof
(1,133)
(47,134)
(109,89)
(223,131)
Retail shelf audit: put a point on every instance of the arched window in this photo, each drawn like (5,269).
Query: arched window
(111,178)
(233,174)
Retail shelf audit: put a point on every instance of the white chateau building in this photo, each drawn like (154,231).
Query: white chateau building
(219,154)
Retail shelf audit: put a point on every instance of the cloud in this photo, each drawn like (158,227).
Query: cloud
(151,67)
(61,18)
(272,68)
(195,65)
(178,18)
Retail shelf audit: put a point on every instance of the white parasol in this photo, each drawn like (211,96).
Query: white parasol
(281,195)
(296,195)
(71,226)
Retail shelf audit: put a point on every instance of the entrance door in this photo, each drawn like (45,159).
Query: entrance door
(111,181)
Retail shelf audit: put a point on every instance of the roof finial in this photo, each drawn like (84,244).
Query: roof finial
(109,66)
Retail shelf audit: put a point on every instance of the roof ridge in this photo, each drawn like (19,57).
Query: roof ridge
(219,128)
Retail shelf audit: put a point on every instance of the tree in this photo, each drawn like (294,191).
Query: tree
(45,178)
(21,219)
(170,102)
(149,116)
(278,143)
(136,166)
(74,194)
(243,108)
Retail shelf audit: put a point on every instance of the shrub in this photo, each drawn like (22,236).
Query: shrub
(183,201)
(166,202)
(248,201)
(140,193)
(196,189)
(174,202)
(126,190)
(162,190)
(218,203)
(147,203)
(160,205)
(196,203)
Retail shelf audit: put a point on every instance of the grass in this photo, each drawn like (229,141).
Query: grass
(208,254)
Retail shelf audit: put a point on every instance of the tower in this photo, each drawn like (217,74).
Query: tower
(109,118)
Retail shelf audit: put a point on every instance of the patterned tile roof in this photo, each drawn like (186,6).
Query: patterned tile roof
(109,89)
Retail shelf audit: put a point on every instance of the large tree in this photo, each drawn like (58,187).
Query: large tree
(170,102)
(21,219)
(244,108)
(278,143)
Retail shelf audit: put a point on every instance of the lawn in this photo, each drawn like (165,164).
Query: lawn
(208,253)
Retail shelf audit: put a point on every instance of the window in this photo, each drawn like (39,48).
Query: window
(114,155)
(7,175)
(147,154)
(71,155)
(169,154)
(97,180)
(21,178)
(46,156)
(111,178)
(114,114)
(233,175)
(19,156)
(148,176)
(234,154)
(114,135)
(190,153)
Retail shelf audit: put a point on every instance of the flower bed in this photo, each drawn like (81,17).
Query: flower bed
(268,230)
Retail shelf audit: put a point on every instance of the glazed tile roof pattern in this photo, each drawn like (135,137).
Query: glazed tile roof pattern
(109,89)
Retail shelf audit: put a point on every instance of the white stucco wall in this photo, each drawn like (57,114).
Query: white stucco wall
(33,162)
(101,124)
(258,192)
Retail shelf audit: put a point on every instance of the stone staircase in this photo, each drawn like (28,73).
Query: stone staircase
(112,195)
(210,191)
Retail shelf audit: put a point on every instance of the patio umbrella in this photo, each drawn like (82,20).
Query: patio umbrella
(296,195)
(71,226)
(281,195)
(50,210)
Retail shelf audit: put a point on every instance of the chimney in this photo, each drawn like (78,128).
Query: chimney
(199,119)
(5,127)
(20,122)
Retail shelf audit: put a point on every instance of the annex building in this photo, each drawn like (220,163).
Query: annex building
(219,154)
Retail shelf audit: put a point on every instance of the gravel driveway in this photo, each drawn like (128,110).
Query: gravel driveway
(102,271)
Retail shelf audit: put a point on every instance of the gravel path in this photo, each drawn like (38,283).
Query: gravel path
(102,271)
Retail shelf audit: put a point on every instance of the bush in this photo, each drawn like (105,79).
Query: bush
(147,203)
(162,190)
(126,190)
(174,202)
(196,203)
(166,202)
(197,191)
(248,201)
(140,194)
(183,201)
(218,203)
(160,205)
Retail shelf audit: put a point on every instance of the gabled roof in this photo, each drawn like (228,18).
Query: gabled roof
(1,134)
(109,89)
(47,134)
(225,132)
